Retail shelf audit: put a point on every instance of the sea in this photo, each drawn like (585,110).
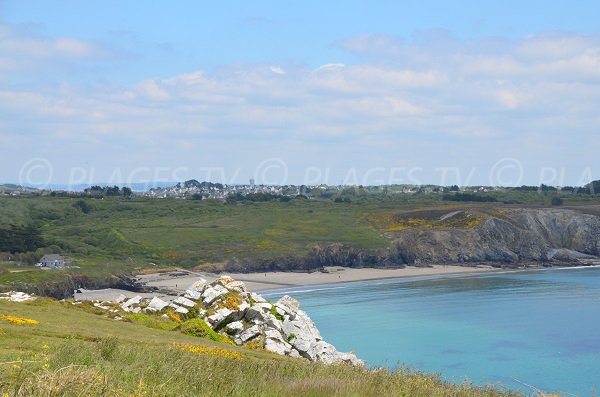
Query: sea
(525,330)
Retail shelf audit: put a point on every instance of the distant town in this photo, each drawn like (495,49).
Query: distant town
(195,190)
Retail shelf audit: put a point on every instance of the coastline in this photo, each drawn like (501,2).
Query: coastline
(171,284)
(257,282)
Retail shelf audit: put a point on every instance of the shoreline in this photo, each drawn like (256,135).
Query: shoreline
(172,284)
(258,282)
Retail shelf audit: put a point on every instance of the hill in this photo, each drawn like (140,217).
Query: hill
(59,349)
(114,237)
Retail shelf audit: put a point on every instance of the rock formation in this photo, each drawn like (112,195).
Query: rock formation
(228,308)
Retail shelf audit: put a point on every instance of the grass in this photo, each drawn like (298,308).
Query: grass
(121,236)
(72,352)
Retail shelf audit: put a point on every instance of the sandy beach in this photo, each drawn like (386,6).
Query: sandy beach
(177,282)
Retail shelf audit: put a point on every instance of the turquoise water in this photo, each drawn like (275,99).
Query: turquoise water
(541,328)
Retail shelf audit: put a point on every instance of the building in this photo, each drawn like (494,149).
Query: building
(52,260)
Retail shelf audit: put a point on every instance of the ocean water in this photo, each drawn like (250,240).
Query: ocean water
(540,328)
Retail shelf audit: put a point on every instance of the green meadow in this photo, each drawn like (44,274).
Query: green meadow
(72,350)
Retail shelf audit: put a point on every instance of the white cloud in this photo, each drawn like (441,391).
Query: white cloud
(401,98)
(277,70)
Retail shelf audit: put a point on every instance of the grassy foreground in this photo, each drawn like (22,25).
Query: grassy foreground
(67,351)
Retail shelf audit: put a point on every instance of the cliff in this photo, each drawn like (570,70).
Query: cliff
(495,236)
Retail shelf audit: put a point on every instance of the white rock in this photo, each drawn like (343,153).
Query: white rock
(156,304)
(133,301)
(182,310)
(323,352)
(278,346)
(20,297)
(184,302)
(198,285)
(136,310)
(288,304)
(257,298)
(302,331)
(271,322)
(236,286)
(193,294)
(250,333)
(294,353)
(212,293)
(223,280)
(120,298)
(350,358)
(257,312)
(219,316)
(234,328)
(264,307)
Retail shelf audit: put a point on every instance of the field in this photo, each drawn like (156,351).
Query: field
(69,351)
(117,236)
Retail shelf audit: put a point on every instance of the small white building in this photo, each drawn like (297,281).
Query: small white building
(52,261)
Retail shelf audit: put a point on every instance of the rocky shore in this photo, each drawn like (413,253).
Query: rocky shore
(229,309)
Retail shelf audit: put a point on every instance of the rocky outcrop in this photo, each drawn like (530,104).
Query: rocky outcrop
(502,236)
(247,318)
(509,237)
(16,296)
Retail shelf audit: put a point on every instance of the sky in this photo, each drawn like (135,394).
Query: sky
(293,92)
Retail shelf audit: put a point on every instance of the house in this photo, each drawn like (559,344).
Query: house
(52,261)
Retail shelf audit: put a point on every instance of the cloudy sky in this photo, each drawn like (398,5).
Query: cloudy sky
(300,91)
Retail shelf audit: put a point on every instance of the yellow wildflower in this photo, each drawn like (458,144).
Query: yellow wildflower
(211,351)
(18,320)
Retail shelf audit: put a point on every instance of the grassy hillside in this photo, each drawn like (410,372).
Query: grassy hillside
(118,236)
(72,352)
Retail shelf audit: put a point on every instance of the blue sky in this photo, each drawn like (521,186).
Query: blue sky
(349,92)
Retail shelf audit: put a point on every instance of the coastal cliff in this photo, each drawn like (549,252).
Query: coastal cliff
(501,237)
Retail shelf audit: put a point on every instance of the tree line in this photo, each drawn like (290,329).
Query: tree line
(17,238)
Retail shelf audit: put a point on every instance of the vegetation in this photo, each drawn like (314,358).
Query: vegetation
(112,237)
(71,352)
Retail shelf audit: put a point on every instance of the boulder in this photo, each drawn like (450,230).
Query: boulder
(234,328)
(257,298)
(184,302)
(156,304)
(120,298)
(274,342)
(323,352)
(350,358)
(20,297)
(198,285)
(236,286)
(294,353)
(250,333)
(301,331)
(220,315)
(182,310)
(212,293)
(257,312)
(288,304)
(192,294)
(271,322)
(130,302)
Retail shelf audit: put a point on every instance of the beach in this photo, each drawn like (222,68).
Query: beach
(179,281)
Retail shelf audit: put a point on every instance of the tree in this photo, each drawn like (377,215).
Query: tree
(83,206)
(557,200)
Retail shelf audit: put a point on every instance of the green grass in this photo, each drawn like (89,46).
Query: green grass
(72,352)
(119,235)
